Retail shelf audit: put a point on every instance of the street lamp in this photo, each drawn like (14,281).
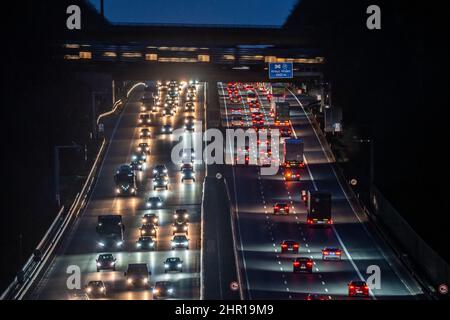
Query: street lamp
(94,113)
(56,169)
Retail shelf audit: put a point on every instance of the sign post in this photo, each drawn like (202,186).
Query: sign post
(281,70)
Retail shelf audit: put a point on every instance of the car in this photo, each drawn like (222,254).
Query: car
(173,264)
(237,121)
(281,208)
(235,99)
(189,107)
(180,227)
(187,174)
(148,229)
(166,128)
(79,296)
(285,132)
(291,175)
(302,264)
(331,254)
(168,111)
(146,242)
(316,296)
(179,241)
(154,202)
(187,154)
(163,289)
(254,106)
(186,166)
(155,107)
(136,165)
(189,119)
(141,157)
(235,110)
(144,119)
(160,182)
(150,218)
(289,246)
(95,289)
(137,275)
(159,169)
(106,261)
(190,97)
(357,288)
(190,126)
(180,215)
(143,147)
(145,133)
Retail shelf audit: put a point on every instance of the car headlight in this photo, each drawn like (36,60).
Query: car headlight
(152,244)
(112,263)
(145,280)
(179,265)
(138,245)
(154,171)
(159,204)
(88,289)
(185,243)
(186,216)
(99,264)
(185,228)
(132,190)
(155,291)
(174,228)
(119,243)
(170,290)
(166,265)
(117,190)
(102,289)
(175,216)
(165,183)
(172,243)
(129,280)
(101,244)
(148,204)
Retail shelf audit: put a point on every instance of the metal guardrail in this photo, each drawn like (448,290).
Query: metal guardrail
(44,250)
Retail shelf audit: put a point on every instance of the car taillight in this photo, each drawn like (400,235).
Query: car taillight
(309,263)
(351,287)
(295,245)
(296,263)
(338,252)
(309,221)
(325,252)
(284,245)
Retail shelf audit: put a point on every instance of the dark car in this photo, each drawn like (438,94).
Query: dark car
(189,107)
(180,227)
(302,264)
(148,230)
(163,289)
(331,254)
(146,243)
(316,296)
(136,165)
(281,208)
(96,289)
(154,202)
(166,129)
(289,246)
(181,215)
(358,288)
(143,147)
(160,182)
(159,169)
(145,133)
(173,264)
(187,174)
(150,218)
(180,241)
(106,262)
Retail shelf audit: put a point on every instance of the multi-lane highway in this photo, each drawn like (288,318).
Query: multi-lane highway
(268,273)
(79,246)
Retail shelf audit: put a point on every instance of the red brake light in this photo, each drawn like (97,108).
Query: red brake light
(351,287)
(296,263)
(295,245)
(284,245)
(309,263)
(325,252)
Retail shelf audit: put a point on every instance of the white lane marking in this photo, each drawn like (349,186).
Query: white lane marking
(235,200)
(315,187)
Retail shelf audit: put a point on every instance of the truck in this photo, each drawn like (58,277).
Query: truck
(110,231)
(137,275)
(125,181)
(293,153)
(319,208)
(282,116)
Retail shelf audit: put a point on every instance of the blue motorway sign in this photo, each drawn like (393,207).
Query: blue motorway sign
(280,70)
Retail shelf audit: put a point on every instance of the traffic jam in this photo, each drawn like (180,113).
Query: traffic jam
(263,107)
(151,181)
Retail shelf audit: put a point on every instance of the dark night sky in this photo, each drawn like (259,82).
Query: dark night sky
(222,12)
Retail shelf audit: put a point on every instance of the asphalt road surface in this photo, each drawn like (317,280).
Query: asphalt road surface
(79,246)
